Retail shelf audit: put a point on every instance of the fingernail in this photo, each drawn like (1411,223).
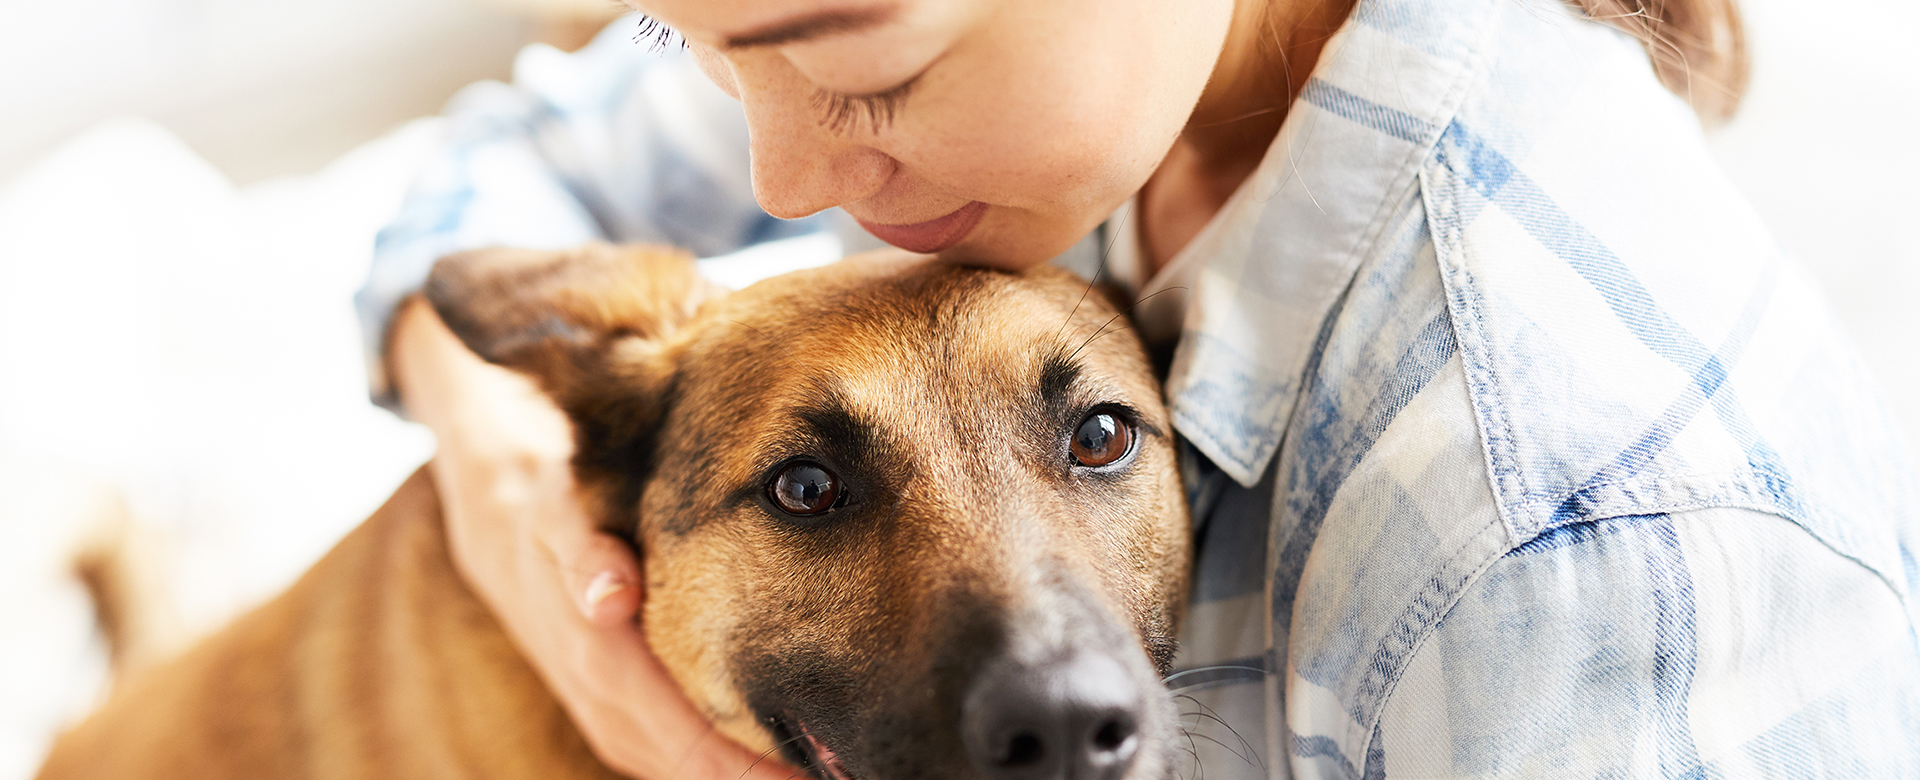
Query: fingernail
(603,585)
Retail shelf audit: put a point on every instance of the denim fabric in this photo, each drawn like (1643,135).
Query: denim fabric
(1517,447)
(1571,472)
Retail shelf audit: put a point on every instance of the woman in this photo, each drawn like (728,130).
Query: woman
(1516,448)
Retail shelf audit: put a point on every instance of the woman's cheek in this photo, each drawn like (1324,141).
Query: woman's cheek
(1029,154)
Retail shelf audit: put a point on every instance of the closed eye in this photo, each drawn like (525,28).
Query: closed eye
(841,113)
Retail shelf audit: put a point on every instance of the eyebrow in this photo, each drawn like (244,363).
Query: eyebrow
(812,26)
(1052,388)
(833,422)
(1057,375)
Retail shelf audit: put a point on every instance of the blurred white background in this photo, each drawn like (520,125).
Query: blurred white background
(175,320)
(258,87)
(175,316)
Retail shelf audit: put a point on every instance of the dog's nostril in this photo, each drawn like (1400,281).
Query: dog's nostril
(1112,735)
(1073,717)
(1025,749)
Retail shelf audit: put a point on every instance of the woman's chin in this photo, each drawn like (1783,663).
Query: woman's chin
(1002,243)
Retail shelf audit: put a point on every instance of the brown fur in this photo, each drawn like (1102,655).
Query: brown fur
(377,663)
(944,398)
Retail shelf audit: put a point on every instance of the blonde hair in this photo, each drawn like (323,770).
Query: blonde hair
(1698,47)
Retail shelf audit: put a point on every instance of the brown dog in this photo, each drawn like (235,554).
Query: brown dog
(898,519)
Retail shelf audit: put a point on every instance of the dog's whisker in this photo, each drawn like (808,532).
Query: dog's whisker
(1098,271)
(1083,299)
(1097,333)
(770,751)
(1124,312)
(1096,336)
(1204,709)
(1199,716)
(1245,752)
(1216,668)
(1191,752)
(1211,714)
(1205,716)
(1251,759)
(1149,296)
(1199,764)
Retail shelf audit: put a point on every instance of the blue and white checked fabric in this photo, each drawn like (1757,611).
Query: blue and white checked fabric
(1517,447)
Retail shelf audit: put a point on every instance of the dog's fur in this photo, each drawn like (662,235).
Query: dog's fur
(943,397)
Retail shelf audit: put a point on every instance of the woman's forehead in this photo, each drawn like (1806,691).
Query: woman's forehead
(734,24)
(848,46)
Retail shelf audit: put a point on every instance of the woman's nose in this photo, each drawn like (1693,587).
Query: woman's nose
(801,166)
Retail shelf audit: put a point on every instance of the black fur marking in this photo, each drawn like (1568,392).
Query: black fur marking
(1057,375)
(834,424)
(615,440)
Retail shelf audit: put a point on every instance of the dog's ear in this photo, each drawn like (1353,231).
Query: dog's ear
(587,324)
(556,314)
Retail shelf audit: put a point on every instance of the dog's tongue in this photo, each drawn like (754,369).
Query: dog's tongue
(825,756)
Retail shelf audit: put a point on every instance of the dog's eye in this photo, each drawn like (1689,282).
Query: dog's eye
(1101,439)
(806,488)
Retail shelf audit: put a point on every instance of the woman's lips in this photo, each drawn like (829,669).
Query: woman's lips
(932,235)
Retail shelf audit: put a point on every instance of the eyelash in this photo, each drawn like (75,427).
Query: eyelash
(838,112)
(841,112)
(657,33)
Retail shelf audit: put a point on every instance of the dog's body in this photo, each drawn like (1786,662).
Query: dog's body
(898,520)
(377,663)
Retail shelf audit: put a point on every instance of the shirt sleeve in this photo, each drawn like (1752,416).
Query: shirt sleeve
(622,141)
(1712,643)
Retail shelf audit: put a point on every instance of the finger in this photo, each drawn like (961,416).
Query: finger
(603,577)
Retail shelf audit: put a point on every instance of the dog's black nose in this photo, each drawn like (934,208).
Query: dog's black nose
(1074,718)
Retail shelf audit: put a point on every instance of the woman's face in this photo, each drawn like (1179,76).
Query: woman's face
(990,131)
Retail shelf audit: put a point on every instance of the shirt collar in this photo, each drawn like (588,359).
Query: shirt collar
(1272,265)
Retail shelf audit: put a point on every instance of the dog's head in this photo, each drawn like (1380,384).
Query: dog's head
(898,519)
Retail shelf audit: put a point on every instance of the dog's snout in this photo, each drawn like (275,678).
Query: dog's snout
(1074,718)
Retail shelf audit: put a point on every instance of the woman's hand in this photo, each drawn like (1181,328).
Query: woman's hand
(567,593)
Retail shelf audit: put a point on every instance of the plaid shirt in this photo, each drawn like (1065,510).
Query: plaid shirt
(1517,447)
